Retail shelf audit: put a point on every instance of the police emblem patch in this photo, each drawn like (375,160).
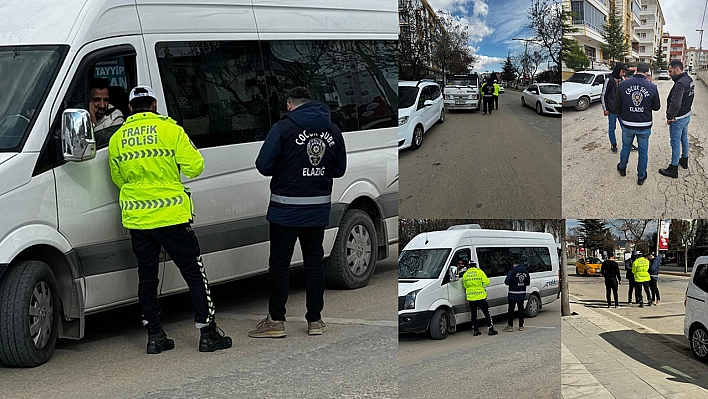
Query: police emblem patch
(316,150)
(637,98)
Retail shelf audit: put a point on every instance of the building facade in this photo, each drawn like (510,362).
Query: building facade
(589,18)
(629,12)
(694,63)
(419,30)
(649,31)
(674,47)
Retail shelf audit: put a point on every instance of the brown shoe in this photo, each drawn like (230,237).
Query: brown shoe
(315,327)
(521,328)
(268,328)
(508,329)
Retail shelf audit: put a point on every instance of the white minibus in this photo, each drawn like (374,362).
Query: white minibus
(430,292)
(221,69)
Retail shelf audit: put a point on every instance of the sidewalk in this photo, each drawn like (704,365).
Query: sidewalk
(601,358)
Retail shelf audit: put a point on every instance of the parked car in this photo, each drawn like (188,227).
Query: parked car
(695,324)
(588,266)
(501,89)
(544,97)
(664,75)
(420,106)
(582,88)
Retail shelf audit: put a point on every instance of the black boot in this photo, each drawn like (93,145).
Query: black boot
(670,171)
(623,172)
(683,162)
(159,342)
(213,338)
(492,331)
(476,332)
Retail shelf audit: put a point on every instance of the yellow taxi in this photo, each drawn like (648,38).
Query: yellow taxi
(588,266)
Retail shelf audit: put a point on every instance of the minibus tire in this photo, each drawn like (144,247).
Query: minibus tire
(532,310)
(338,273)
(439,325)
(699,333)
(25,284)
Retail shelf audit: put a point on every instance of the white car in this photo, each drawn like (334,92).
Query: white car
(420,106)
(582,88)
(501,89)
(695,324)
(545,97)
(664,75)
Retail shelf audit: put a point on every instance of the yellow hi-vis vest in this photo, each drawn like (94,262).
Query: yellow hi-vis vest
(640,269)
(474,280)
(146,156)
(496,89)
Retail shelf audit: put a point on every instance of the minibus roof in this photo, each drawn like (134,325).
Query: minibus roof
(449,238)
(82,21)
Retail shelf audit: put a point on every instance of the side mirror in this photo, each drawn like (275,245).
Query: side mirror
(428,103)
(77,141)
(453,274)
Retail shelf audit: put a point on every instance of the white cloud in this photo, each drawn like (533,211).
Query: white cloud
(478,28)
(481,9)
(482,62)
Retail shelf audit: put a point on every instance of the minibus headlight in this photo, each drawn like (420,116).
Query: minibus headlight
(410,300)
(402,120)
(564,97)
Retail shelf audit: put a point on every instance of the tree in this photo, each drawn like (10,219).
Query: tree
(572,53)
(509,71)
(546,23)
(597,235)
(415,42)
(659,60)
(616,41)
(531,61)
(633,231)
(685,231)
(548,76)
(452,51)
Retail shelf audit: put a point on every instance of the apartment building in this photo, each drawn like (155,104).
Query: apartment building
(420,29)
(629,12)
(674,47)
(692,55)
(649,31)
(589,17)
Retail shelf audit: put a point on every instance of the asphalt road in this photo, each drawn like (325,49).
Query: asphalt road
(519,364)
(663,323)
(594,189)
(356,357)
(507,165)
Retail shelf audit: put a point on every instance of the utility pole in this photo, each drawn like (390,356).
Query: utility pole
(526,53)
(700,48)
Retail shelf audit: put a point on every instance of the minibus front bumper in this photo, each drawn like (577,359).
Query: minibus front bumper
(414,322)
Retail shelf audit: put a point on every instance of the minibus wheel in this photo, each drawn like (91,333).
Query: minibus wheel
(532,306)
(699,343)
(29,314)
(439,324)
(353,257)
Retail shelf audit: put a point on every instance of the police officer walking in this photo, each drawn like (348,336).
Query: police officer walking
(303,153)
(610,270)
(517,279)
(474,280)
(678,115)
(146,156)
(636,100)
(640,269)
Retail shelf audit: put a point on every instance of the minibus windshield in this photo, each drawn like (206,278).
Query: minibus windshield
(422,263)
(26,75)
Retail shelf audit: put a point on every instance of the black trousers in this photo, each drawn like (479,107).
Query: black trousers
(611,287)
(516,304)
(182,246)
(282,245)
(639,286)
(496,102)
(654,290)
(484,306)
(633,286)
(488,104)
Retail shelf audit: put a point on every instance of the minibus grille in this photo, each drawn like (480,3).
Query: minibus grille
(401,302)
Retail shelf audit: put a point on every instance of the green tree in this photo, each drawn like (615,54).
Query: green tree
(452,53)
(571,52)
(659,60)
(616,41)
(597,235)
(509,71)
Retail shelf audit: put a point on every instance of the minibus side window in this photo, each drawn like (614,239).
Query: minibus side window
(215,90)
(700,278)
(493,261)
(536,259)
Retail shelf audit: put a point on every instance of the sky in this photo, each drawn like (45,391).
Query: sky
(570,223)
(683,17)
(492,25)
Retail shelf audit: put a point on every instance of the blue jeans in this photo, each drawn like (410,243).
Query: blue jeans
(612,118)
(679,139)
(643,144)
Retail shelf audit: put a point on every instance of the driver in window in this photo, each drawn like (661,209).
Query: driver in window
(105,118)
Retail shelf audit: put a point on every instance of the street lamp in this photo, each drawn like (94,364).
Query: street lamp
(700,48)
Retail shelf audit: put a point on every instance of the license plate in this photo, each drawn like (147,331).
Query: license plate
(460,102)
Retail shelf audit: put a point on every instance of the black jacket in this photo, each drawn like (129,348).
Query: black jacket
(303,152)
(678,105)
(611,88)
(610,270)
(636,100)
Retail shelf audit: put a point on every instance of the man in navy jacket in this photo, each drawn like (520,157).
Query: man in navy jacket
(303,153)
(678,115)
(517,279)
(636,100)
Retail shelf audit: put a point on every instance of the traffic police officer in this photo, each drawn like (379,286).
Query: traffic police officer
(146,156)
(303,153)
(496,95)
(640,269)
(474,280)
